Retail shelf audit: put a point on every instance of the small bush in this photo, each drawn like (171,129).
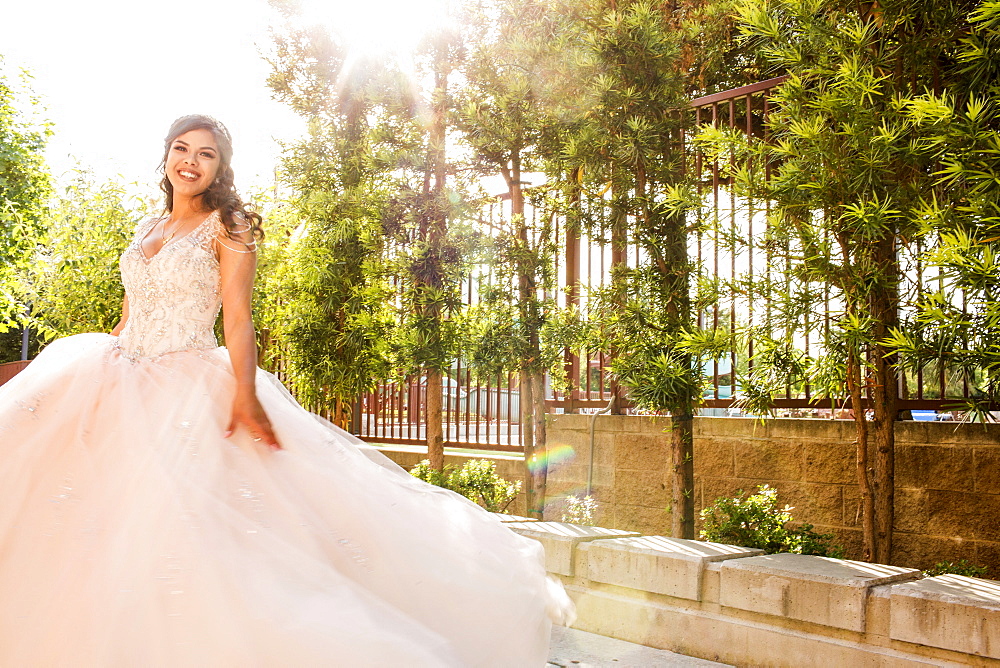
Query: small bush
(580,510)
(424,471)
(961,567)
(477,480)
(757,521)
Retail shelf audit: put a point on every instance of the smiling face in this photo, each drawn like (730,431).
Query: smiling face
(192,162)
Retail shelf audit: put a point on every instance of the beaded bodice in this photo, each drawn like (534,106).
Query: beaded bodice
(173,297)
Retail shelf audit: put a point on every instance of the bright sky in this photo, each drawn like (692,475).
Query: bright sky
(114,74)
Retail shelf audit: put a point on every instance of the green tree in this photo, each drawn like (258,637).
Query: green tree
(434,262)
(75,283)
(328,309)
(957,320)
(503,120)
(848,165)
(383,203)
(593,94)
(25,186)
(644,60)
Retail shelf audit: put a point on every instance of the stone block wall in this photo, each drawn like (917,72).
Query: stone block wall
(735,605)
(947,478)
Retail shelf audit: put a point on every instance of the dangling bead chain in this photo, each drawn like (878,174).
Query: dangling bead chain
(163,227)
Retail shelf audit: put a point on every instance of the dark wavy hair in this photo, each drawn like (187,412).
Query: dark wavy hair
(222,195)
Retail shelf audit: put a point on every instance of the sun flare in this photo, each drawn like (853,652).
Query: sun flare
(377,26)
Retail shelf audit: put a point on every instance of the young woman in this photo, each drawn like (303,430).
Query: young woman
(163,502)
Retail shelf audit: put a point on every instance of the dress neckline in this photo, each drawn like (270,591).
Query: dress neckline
(194,229)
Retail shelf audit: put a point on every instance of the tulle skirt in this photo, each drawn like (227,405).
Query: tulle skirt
(133,534)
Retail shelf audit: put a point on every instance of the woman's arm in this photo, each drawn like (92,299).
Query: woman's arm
(121,323)
(238,263)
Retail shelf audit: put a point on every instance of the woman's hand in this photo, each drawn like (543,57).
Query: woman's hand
(248,412)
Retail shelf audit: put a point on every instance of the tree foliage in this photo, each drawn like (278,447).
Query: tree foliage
(644,61)
(328,312)
(75,285)
(504,116)
(593,95)
(25,186)
(371,286)
(848,165)
(956,321)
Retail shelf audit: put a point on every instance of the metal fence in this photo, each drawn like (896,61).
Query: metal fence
(739,250)
(484,413)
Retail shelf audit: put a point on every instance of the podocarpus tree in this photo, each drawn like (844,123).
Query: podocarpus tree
(649,309)
(638,77)
(432,290)
(849,166)
(433,245)
(957,320)
(502,119)
(328,295)
(24,188)
(377,193)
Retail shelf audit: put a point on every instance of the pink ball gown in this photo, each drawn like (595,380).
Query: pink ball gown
(133,534)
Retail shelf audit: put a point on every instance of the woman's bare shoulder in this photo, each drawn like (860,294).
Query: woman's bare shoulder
(237,236)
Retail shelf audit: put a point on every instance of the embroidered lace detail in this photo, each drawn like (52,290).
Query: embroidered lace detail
(174,297)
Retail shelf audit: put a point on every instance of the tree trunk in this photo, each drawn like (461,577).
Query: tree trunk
(883,428)
(432,417)
(571,363)
(885,391)
(619,241)
(533,459)
(539,474)
(341,413)
(532,397)
(434,232)
(675,291)
(682,488)
(867,509)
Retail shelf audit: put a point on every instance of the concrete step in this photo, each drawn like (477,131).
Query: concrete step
(572,648)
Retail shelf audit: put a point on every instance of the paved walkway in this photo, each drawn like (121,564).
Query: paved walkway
(572,648)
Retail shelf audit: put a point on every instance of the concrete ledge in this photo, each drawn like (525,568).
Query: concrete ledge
(505,518)
(948,611)
(730,604)
(670,566)
(832,592)
(706,632)
(561,539)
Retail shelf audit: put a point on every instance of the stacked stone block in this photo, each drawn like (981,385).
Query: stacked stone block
(947,478)
(735,605)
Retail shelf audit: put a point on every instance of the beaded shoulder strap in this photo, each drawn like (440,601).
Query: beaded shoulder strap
(224,239)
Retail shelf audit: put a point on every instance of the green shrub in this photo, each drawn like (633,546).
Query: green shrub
(580,509)
(424,471)
(477,480)
(961,567)
(756,520)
